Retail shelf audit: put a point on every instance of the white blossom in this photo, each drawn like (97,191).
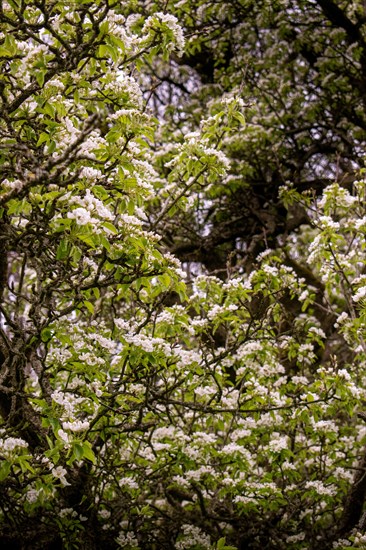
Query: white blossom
(76,425)
(320,488)
(127,540)
(60,474)
(278,442)
(360,294)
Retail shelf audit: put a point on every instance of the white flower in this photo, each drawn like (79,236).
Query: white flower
(193,536)
(204,391)
(127,539)
(180,480)
(55,83)
(172,23)
(90,174)
(320,488)
(326,222)
(295,538)
(63,435)
(81,216)
(219,156)
(195,475)
(244,500)
(93,142)
(231,448)
(67,512)
(60,474)
(14,184)
(122,324)
(205,438)
(278,443)
(341,319)
(318,331)
(128,482)
(105,514)
(361,223)
(124,84)
(11,443)
(76,426)
(300,380)
(105,343)
(305,294)
(360,294)
(270,270)
(32,495)
(343,373)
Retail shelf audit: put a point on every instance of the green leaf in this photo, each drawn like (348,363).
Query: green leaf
(40,77)
(46,334)
(49,110)
(165,280)
(239,117)
(104,51)
(62,250)
(88,452)
(9,47)
(89,306)
(89,239)
(78,450)
(111,227)
(24,464)
(52,147)
(5,468)
(62,224)
(221,543)
(100,192)
(43,138)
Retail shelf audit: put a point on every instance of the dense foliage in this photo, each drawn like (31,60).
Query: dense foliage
(300,67)
(215,403)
